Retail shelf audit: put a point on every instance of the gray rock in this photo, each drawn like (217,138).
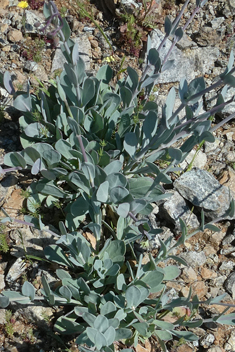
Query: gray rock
(218,281)
(130,5)
(228,239)
(226,266)
(230,284)
(217,21)
(206,36)
(37,314)
(185,43)
(153,217)
(194,258)
(16,270)
(213,292)
(230,345)
(13,3)
(213,148)
(3,42)
(103,43)
(41,75)
(30,21)
(32,241)
(88,29)
(166,234)
(204,191)
(229,109)
(2,316)
(84,48)
(228,251)
(4,93)
(198,159)
(6,21)
(186,64)
(2,282)
(215,349)
(207,340)
(30,66)
(232,3)
(175,208)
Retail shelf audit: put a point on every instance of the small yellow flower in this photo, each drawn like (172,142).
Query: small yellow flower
(23,4)
(109,59)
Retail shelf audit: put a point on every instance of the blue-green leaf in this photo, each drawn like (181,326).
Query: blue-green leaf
(79,207)
(123,334)
(57,255)
(130,143)
(28,290)
(123,210)
(14,159)
(117,194)
(102,194)
(113,167)
(49,189)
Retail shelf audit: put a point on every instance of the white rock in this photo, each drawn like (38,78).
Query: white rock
(2,282)
(200,160)
(175,208)
(217,21)
(229,136)
(194,258)
(230,345)
(188,64)
(30,66)
(34,241)
(130,5)
(2,316)
(16,270)
(209,147)
(207,340)
(37,314)
(30,20)
(215,349)
(84,48)
(226,266)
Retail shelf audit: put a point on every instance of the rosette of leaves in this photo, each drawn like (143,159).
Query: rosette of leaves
(111,298)
(96,145)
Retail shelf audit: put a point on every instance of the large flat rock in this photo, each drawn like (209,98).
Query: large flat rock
(187,63)
(203,190)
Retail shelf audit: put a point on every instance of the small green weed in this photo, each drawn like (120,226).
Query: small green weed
(32,51)
(25,193)
(46,317)
(4,246)
(137,25)
(85,12)
(19,86)
(63,11)
(9,323)
(29,336)
(57,72)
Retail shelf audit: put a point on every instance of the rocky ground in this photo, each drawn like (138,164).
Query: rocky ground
(204,51)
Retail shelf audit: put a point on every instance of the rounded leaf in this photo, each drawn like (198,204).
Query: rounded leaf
(102,194)
(14,159)
(117,194)
(130,143)
(28,290)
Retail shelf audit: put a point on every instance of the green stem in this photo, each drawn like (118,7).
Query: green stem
(195,155)
(86,14)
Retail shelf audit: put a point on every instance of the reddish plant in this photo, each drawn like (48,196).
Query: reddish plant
(35,4)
